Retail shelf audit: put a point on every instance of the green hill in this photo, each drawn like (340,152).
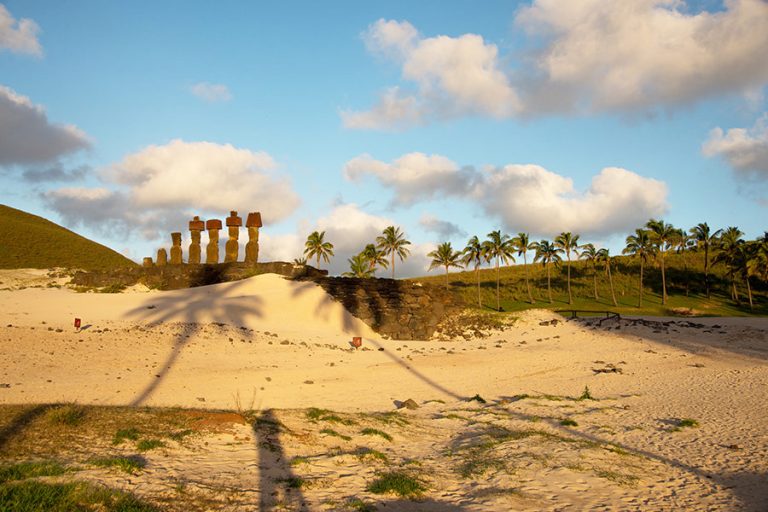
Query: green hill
(685,288)
(29,241)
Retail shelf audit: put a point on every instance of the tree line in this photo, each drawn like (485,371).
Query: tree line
(743,259)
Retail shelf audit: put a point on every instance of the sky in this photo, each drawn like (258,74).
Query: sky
(446,118)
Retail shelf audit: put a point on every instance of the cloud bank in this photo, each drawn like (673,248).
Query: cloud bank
(523,197)
(580,57)
(156,190)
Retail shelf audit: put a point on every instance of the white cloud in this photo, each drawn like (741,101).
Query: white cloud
(414,176)
(212,93)
(454,76)
(531,198)
(18,36)
(158,189)
(580,56)
(628,54)
(745,149)
(26,135)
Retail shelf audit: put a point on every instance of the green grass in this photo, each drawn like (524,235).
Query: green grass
(121,435)
(333,433)
(365,453)
(358,505)
(315,414)
(30,241)
(376,432)
(24,470)
(67,414)
(567,422)
(625,272)
(399,483)
(146,445)
(585,395)
(130,465)
(687,423)
(34,496)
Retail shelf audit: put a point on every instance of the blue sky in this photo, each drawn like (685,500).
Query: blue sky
(449,119)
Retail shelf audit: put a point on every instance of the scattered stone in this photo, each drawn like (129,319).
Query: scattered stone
(4,385)
(285,342)
(309,382)
(200,399)
(408,404)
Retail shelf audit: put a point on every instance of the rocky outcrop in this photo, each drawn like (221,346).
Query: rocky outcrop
(401,310)
(175,277)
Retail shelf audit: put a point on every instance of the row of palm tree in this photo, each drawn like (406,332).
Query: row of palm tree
(653,242)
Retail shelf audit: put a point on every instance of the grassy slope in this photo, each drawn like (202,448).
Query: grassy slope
(29,241)
(625,273)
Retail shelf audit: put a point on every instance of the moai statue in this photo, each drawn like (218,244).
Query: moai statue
(195,227)
(176,256)
(253,223)
(162,257)
(232,247)
(212,251)
(147,262)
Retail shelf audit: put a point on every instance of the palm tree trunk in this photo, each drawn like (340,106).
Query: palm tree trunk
(610,281)
(594,277)
(549,285)
(446,277)
(393,264)
(706,269)
(527,282)
(477,275)
(498,303)
(318,261)
(749,294)
(663,283)
(687,277)
(570,297)
(640,300)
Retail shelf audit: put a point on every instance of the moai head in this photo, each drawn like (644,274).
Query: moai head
(176,239)
(212,250)
(147,262)
(233,223)
(162,257)
(195,227)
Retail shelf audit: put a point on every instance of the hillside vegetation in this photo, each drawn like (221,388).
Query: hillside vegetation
(29,241)
(685,288)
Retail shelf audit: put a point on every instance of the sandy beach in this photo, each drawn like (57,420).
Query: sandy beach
(275,348)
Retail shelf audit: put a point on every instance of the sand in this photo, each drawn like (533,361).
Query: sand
(278,347)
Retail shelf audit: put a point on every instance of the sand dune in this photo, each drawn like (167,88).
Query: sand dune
(278,347)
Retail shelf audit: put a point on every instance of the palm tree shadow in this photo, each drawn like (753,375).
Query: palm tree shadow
(190,307)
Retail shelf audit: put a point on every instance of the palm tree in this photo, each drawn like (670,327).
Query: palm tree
(300,261)
(589,254)
(498,247)
(568,242)
(704,240)
(731,254)
(375,257)
(359,266)
(522,245)
(317,247)
(473,253)
(605,255)
(392,242)
(681,242)
(445,256)
(662,235)
(548,253)
(640,245)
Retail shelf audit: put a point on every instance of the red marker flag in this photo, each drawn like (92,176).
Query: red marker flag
(357,341)
(77,323)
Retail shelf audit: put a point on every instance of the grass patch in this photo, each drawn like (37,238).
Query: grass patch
(315,414)
(365,453)
(293,482)
(358,505)
(130,465)
(477,398)
(376,432)
(568,422)
(146,445)
(24,470)
(298,461)
(615,476)
(585,395)
(399,483)
(67,414)
(333,433)
(687,422)
(180,434)
(121,435)
(36,496)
